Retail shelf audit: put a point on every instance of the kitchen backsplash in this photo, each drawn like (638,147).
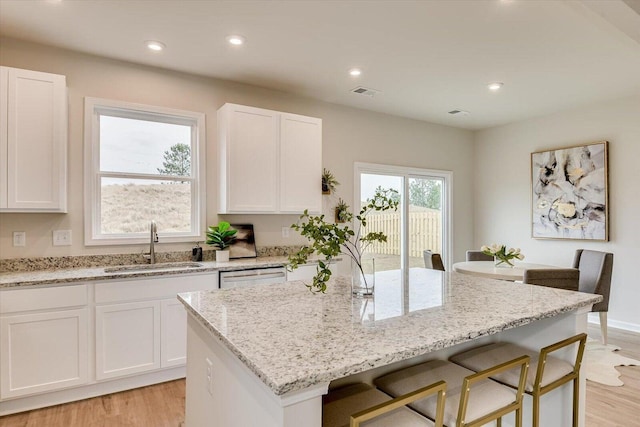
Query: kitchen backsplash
(90,261)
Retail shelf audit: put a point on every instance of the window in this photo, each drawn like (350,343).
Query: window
(142,163)
(421,222)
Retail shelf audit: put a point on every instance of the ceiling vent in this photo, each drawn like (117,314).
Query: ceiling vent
(360,90)
(459,113)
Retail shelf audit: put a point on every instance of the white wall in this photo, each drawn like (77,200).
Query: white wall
(349,135)
(503,192)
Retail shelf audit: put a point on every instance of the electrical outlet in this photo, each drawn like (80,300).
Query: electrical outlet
(61,237)
(19,238)
(209,376)
(285,232)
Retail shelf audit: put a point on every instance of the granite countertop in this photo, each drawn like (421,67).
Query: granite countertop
(74,275)
(314,338)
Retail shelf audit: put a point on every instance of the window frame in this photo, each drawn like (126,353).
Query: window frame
(406,173)
(93,109)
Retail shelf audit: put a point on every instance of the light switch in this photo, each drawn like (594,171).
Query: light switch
(61,237)
(285,232)
(19,238)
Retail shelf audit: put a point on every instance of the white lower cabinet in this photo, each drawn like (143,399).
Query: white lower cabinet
(173,333)
(127,339)
(47,348)
(66,342)
(140,324)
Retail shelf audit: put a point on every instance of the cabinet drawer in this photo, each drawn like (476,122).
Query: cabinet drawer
(153,288)
(17,300)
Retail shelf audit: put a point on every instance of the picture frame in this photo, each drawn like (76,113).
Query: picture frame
(569,193)
(244,246)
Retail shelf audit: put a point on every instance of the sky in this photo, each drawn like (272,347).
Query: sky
(128,145)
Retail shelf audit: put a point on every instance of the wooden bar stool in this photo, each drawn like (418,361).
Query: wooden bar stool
(473,399)
(546,373)
(359,403)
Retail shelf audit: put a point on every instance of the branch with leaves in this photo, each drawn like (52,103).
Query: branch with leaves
(329,240)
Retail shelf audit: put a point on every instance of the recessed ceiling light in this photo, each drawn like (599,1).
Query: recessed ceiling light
(155,45)
(355,72)
(236,40)
(495,86)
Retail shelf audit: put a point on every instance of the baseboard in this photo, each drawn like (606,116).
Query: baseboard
(616,324)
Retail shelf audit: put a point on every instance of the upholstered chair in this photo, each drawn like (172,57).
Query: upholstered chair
(433,261)
(473,399)
(361,403)
(595,278)
(478,256)
(546,373)
(561,278)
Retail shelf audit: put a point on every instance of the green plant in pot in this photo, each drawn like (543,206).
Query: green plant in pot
(342,212)
(329,240)
(221,237)
(329,182)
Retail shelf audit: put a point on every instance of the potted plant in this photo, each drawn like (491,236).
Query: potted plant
(502,257)
(342,212)
(329,182)
(329,240)
(221,236)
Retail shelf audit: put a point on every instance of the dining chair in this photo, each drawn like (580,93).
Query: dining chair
(561,278)
(595,278)
(433,260)
(472,398)
(478,256)
(359,403)
(546,373)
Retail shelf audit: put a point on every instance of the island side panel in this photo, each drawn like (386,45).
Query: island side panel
(555,406)
(226,393)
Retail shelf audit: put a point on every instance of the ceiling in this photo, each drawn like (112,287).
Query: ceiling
(424,57)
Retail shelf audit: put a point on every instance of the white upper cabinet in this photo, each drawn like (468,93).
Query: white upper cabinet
(33,141)
(269,162)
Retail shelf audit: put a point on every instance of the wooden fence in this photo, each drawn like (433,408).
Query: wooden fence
(425,232)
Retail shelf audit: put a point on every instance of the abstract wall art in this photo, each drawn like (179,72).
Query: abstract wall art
(569,193)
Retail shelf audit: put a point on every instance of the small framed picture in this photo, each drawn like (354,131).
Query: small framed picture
(244,246)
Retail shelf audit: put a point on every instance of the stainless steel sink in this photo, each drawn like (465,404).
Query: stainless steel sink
(148,267)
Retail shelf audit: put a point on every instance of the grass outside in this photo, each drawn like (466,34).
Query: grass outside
(130,208)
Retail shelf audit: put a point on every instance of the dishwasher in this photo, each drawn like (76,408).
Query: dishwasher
(250,277)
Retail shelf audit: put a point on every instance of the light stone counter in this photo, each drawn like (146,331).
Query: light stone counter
(74,275)
(292,339)
(275,349)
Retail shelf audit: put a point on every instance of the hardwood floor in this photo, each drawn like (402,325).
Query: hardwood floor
(616,406)
(162,405)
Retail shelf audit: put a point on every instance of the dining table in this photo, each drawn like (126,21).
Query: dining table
(488,269)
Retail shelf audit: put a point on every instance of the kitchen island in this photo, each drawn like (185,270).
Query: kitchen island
(266,355)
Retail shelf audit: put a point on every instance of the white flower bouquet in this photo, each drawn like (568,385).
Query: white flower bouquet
(501,255)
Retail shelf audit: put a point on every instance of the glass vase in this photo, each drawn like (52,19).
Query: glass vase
(502,262)
(362,282)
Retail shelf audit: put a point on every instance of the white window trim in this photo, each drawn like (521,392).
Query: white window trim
(409,172)
(92,235)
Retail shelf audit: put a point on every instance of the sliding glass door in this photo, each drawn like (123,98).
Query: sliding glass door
(421,222)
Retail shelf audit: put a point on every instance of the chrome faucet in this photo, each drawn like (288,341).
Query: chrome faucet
(153,239)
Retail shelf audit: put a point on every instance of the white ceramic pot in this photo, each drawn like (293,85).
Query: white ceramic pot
(222,256)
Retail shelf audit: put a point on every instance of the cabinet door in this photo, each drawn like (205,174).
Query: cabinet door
(173,327)
(300,164)
(127,338)
(36,142)
(43,352)
(248,145)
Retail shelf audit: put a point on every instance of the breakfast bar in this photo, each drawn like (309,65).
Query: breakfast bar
(266,355)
